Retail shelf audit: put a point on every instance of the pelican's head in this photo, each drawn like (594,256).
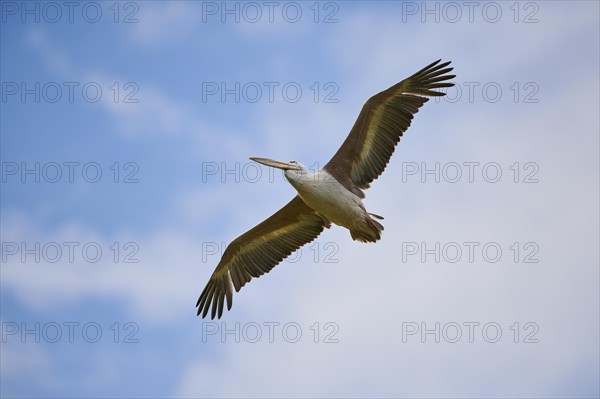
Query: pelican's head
(291,169)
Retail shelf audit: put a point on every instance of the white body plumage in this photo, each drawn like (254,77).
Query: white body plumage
(323,193)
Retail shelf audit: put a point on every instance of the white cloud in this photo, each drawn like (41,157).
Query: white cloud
(43,285)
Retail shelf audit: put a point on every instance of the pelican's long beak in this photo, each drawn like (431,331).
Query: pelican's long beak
(276,164)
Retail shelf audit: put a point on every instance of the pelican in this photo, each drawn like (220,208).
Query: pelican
(332,194)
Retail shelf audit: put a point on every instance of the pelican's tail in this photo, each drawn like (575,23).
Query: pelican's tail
(371,232)
(377,217)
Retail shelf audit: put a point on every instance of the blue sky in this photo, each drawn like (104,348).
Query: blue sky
(141,102)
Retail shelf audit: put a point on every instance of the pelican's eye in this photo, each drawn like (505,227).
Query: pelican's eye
(294,162)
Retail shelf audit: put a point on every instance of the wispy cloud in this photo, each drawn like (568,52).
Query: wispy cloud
(165,23)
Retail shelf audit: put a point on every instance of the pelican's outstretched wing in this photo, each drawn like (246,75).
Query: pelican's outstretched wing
(380,124)
(257,251)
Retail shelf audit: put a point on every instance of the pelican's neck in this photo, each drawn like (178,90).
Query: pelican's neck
(304,177)
(294,175)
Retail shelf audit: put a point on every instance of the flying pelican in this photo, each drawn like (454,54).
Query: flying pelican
(331,194)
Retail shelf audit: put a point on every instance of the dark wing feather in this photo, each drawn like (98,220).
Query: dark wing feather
(383,119)
(259,250)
